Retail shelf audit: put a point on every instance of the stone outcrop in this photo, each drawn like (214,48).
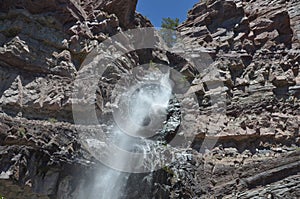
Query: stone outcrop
(42,46)
(41,53)
(255,46)
(124,9)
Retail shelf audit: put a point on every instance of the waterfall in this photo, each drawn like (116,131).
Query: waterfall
(145,105)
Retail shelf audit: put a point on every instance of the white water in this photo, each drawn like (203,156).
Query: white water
(147,110)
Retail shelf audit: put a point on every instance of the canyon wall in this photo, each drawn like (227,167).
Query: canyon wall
(255,47)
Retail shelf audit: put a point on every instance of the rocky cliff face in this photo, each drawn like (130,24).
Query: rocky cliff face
(43,44)
(255,45)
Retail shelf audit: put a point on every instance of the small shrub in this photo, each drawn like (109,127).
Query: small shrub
(153,65)
(168,170)
(52,120)
(21,132)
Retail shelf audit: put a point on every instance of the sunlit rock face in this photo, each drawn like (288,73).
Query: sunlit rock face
(43,44)
(124,9)
(255,47)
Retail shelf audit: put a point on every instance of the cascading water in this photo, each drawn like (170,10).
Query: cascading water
(149,123)
(141,112)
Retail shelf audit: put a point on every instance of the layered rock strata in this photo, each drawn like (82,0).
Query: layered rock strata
(255,47)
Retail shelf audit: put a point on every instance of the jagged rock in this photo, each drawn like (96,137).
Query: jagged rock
(248,106)
(280,81)
(250,42)
(124,9)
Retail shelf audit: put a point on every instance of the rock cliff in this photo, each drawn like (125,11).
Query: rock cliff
(255,46)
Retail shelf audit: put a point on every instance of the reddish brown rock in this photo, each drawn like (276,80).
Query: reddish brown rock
(124,9)
(255,50)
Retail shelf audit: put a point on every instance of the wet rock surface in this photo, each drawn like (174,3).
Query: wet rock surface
(255,45)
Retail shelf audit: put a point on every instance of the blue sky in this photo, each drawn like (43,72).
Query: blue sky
(155,10)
